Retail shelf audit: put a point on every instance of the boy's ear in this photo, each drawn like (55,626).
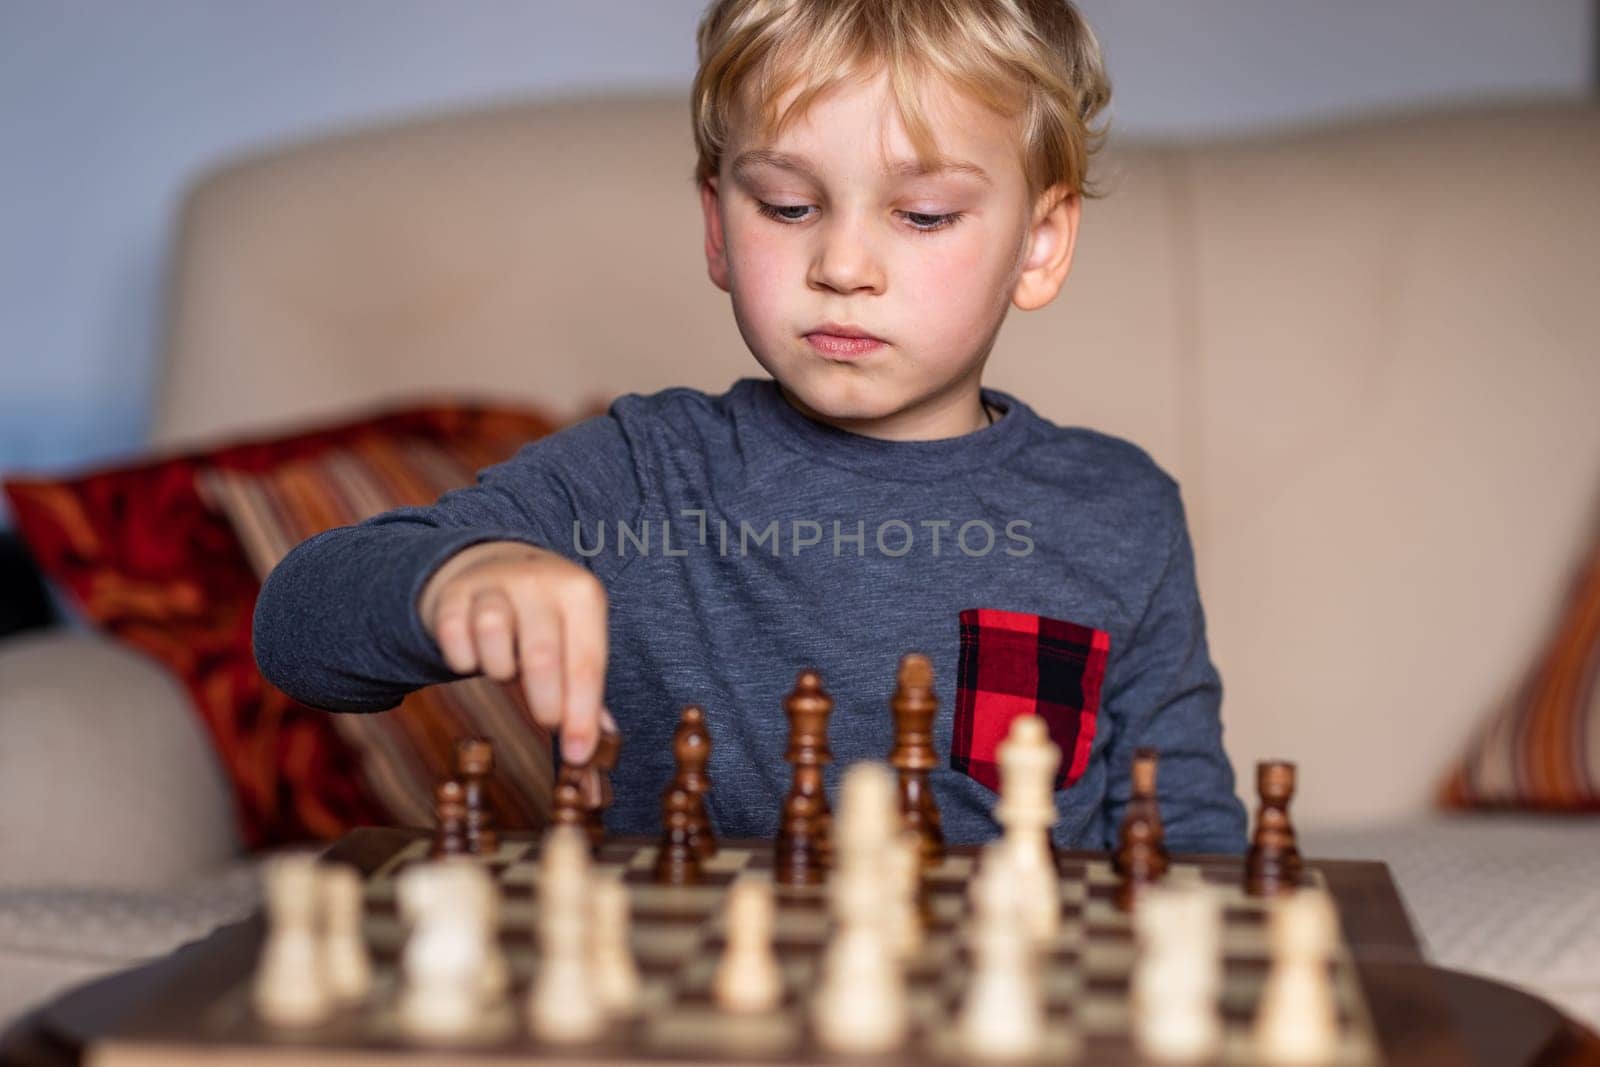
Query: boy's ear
(716,246)
(1050,242)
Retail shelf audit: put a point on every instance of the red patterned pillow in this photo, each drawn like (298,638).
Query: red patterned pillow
(407,749)
(148,560)
(1541,751)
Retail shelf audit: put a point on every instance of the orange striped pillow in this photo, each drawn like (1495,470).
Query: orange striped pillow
(1542,750)
(404,751)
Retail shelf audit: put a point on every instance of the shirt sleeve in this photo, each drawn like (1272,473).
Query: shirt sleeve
(1165,693)
(336,623)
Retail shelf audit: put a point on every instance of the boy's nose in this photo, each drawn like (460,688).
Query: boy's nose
(846,263)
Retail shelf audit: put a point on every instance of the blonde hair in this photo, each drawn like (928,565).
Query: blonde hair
(1036,61)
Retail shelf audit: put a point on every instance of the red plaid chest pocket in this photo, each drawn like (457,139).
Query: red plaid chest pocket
(1016,663)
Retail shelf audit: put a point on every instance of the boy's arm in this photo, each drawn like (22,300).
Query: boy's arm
(336,624)
(1165,693)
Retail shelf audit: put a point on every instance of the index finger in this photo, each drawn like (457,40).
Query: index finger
(583,649)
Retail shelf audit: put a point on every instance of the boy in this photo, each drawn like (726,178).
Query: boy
(878,182)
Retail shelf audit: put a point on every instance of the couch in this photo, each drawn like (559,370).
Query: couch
(1367,351)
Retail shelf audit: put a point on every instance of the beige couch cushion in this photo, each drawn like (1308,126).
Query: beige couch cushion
(106,778)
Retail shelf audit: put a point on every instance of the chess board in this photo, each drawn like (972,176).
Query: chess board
(1386,1015)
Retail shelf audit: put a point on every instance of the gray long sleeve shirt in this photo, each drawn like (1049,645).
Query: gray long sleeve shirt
(1042,569)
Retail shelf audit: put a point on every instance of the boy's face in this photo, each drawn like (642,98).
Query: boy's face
(928,263)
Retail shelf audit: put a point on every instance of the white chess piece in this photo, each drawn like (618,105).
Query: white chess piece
(346,964)
(860,1004)
(1177,975)
(479,894)
(1002,1014)
(564,1005)
(903,862)
(1028,761)
(441,966)
(289,989)
(748,978)
(616,974)
(1297,1021)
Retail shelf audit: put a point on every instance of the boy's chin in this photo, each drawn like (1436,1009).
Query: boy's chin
(852,400)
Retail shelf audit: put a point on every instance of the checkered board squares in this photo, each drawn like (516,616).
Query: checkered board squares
(678,937)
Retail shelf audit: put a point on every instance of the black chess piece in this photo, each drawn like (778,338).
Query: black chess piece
(676,860)
(803,850)
(474,764)
(1273,864)
(913,706)
(450,819)
(691,749)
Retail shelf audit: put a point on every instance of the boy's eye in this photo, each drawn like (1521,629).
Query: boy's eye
(920,221)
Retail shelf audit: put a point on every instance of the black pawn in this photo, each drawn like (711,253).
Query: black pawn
(450,819)
(676,860)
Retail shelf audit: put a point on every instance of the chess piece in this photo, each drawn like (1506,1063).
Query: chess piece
(1141,855)
(583,790)
(1002,1012)
(1298,1019)
(442,995)
(289,989)
(803,851)
(905,901)
(1138,857)
(474,764)
(860,1003)
(566,798)
(1143,805)
(450,819)
(913,707)
(475,882)
(691,749)
(597,794)
(564,1004)
(616,975)
(748,978)
(1028,761)
(346,964)
(1178,973)
(1273,864)
(796,863)
(677,862)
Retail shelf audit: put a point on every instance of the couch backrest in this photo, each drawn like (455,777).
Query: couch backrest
(1370,354)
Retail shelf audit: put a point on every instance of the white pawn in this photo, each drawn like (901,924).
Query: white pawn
(346,964)
(1002,1014)
(748,978)
(860,1004)
(1177,975)
(441,995)
(1028,761)
(904,878)
(616,974)
(564,1005)
(1298,1019)
(476,883)
(289,989)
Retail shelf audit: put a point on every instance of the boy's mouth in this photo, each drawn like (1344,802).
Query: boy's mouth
(838,339)
(834,345)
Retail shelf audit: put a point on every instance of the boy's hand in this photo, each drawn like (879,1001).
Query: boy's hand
(516,612)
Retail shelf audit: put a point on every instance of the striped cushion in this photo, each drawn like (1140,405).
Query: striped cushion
(1542,750)
(404,751)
